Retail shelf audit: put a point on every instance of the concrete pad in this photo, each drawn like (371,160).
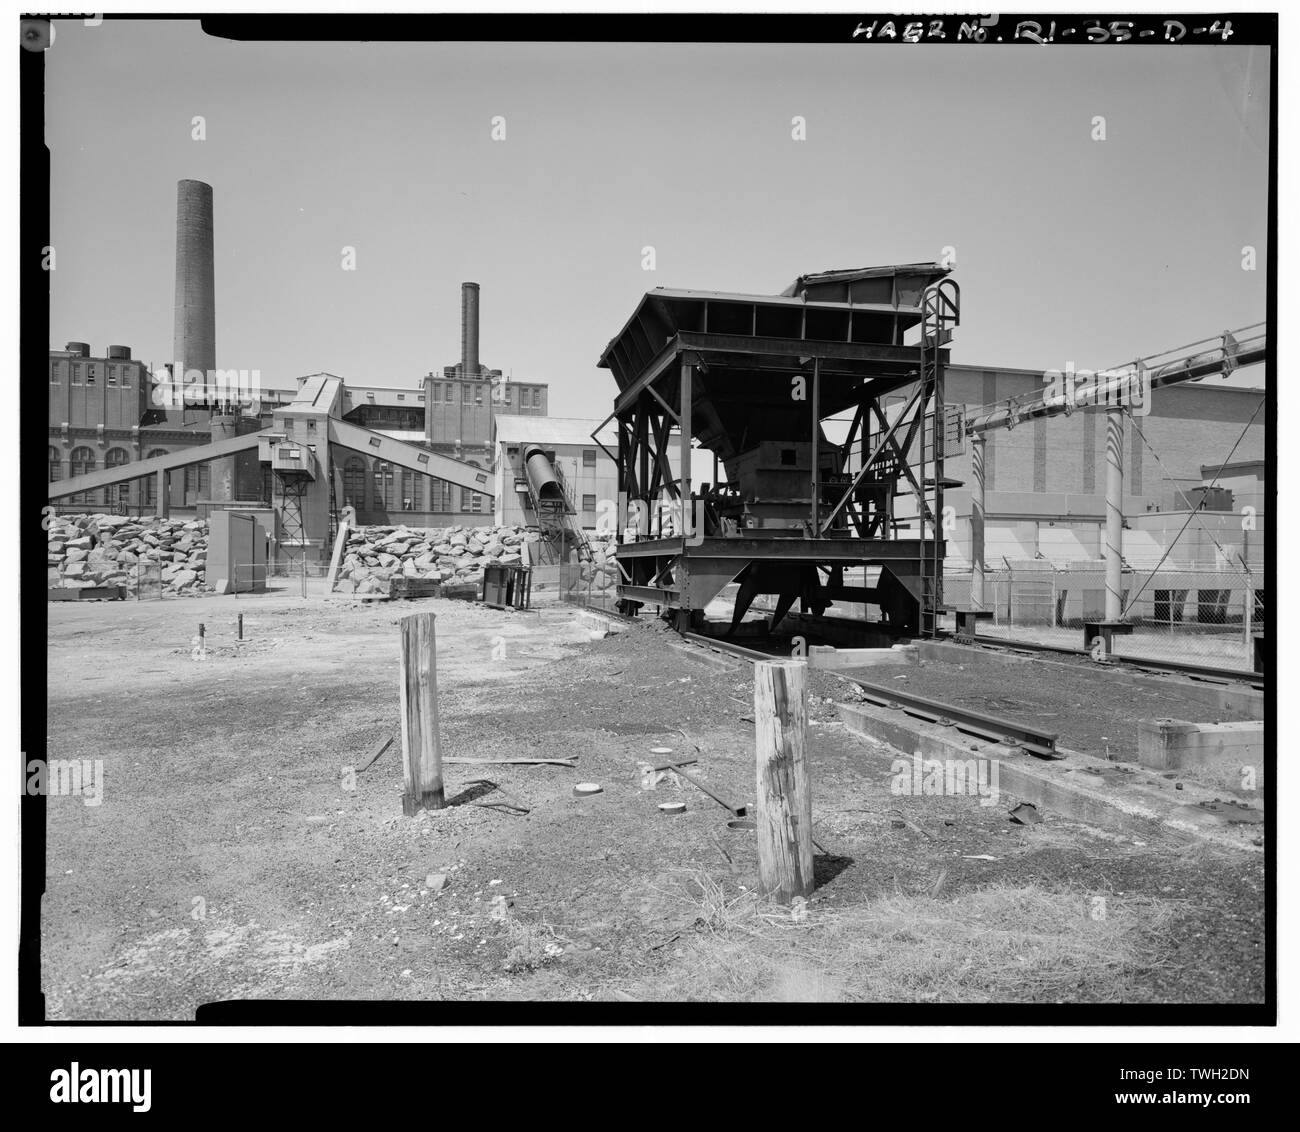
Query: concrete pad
(835,660)
(1078,786)
(1228,756)
(1219,697)
(598,623)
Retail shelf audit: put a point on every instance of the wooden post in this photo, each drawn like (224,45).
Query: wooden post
(785,850)
(421,746)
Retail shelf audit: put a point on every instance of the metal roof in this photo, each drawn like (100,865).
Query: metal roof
(853,274)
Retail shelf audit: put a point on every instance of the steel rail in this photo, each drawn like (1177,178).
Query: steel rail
(734,649)
(1205,672)
(995,728)
(982,725)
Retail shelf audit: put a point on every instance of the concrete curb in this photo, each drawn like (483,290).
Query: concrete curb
(1070,786)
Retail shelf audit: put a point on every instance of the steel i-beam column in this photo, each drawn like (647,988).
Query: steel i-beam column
(816,445)
(977,522)
(1114,550)
(685,413)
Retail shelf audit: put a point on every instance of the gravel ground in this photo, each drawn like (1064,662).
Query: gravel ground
(234,856)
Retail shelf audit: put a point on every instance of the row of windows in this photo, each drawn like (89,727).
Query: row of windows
(81,462)
(394,492)
(87,373)
(528,395)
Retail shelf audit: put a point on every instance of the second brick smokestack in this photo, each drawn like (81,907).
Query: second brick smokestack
(469,328)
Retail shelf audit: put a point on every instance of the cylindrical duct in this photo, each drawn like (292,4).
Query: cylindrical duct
(541,476)
(80,349)
(469,329)
(120,353)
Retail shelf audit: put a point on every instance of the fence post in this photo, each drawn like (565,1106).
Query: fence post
(784,819)
(421,745)
(1248,612)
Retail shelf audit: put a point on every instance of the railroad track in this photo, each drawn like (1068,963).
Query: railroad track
(1206,673)
(981,725)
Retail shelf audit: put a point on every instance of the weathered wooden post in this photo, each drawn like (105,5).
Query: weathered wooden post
(421,745)
(785,849)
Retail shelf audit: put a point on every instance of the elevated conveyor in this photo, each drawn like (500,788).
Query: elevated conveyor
(201,454)
(410,456)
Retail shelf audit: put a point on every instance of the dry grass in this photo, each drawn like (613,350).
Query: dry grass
(998,944)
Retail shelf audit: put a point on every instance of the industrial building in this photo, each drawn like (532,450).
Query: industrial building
(582,465)
(111,411)
(458,444)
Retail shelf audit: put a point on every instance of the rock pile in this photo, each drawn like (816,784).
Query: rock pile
(114,550)
(374,555)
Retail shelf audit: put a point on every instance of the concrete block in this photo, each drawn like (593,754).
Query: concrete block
(834,660)
(1228,756)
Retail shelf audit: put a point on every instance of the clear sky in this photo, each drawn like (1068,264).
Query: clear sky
(1067,249)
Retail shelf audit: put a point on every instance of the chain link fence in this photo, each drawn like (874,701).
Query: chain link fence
(589,585)
(1196,616)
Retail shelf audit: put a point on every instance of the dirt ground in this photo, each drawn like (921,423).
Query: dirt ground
(234,855)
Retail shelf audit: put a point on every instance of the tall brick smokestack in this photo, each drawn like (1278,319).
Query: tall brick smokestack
(194,338)
(469,328)
(194,342)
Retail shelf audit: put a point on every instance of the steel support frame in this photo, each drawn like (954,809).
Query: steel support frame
(677,576)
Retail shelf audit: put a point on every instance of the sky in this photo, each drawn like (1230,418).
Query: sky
(1067,249)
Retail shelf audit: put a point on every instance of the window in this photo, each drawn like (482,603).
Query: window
(471,500)
(588,457)
(440,496)
(126,377)
(354,483)
(82,463)
(437,393)
(56,370)
(589,503)
(196,482)
(56,465)
(311,428)
(506,393)
(478,394)
(76,373)
(90,375)
(383,485)
(401,396)
(112,376)
(115,458)
(410,491)
(150,480)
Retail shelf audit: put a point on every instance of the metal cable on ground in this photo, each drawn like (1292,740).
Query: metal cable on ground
(1192,515)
